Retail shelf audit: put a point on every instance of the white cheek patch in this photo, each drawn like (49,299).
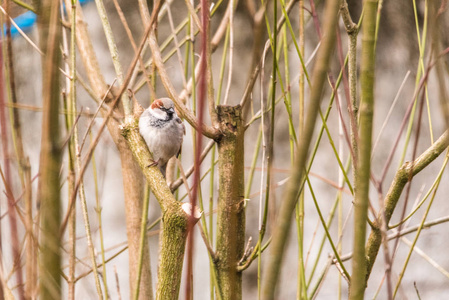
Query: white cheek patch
(158,113)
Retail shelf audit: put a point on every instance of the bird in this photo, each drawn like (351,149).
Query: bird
(163,132)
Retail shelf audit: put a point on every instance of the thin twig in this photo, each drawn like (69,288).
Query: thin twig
(176,184)
(192,13)
(133,44)
(283,225)
(27,38)
(390,111)
(183,110)
(209,248)
(108,114)
(231,50)
(421,85)
(175,40)
(89,127)
(117,282)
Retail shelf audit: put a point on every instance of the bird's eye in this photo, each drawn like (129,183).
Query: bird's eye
(168,110)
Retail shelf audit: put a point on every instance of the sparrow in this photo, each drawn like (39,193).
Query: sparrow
(162,131)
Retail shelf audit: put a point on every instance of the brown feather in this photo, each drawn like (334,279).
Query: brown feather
(157,104)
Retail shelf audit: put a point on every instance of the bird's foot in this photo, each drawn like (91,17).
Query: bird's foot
(153,163)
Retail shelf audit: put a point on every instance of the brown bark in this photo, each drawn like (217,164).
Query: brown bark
(132,177)
(230,212)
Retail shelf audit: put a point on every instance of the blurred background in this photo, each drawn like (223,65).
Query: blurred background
(403,53)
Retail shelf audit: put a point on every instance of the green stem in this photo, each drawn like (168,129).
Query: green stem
(76,147)
(69,105)
(298,50)
(421,226)
(211,221)
(352,29)
(323,223)
(50,159)
(143,240)
(127,104)
(262,225)
(323,239)
(302,287)
(249,181)
(100,226)
(363,168)
(421,69)
(24,5)
(282,226)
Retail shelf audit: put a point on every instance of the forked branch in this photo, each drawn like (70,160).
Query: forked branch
(405,174)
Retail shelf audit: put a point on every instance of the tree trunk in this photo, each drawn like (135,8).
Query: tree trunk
(132,176)
(231,213)
(133,183)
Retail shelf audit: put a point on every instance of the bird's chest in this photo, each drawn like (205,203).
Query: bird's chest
(164,141)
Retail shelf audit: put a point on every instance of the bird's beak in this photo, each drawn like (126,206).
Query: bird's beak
(171,110)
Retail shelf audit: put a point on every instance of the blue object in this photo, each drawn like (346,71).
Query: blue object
(27,20)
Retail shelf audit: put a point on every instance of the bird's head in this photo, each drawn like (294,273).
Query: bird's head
(163,108)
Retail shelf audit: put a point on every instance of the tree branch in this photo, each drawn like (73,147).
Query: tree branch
(362,168)
(405,174)
(187,114)
(174,216)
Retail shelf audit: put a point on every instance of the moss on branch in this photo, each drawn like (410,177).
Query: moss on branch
(174,217)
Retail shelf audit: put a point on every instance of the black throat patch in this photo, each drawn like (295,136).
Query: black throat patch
(155,122)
